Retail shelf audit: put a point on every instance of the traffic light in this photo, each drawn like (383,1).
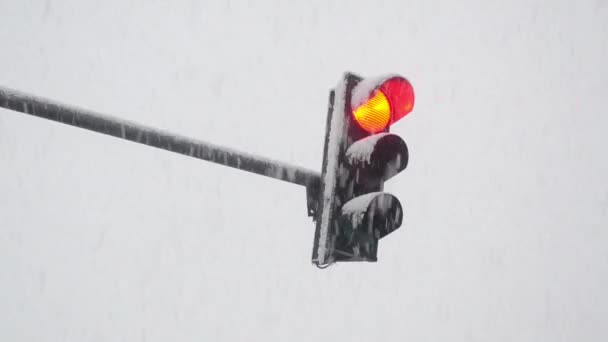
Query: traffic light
(352,212)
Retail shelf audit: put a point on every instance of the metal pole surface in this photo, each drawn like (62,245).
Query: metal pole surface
(128,130)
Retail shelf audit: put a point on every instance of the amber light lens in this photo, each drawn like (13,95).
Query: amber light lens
(375,114)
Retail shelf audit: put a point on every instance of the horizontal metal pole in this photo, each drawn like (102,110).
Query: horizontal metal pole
(128,130)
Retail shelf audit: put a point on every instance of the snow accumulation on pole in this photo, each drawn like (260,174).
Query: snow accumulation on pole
(330,174)
(128,130)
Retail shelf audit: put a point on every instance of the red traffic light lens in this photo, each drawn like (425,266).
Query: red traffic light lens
(400,95)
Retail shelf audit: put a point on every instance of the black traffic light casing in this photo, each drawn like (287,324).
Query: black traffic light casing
(352,211)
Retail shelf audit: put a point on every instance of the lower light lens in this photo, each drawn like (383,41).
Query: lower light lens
(375,114)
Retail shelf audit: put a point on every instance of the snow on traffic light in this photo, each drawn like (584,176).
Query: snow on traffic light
(360,154)
(347,200)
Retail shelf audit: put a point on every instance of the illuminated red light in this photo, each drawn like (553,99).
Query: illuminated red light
(400,95)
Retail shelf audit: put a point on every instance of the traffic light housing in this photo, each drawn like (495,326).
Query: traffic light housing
(352,212)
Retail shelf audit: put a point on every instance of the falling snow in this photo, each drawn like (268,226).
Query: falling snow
(505,234)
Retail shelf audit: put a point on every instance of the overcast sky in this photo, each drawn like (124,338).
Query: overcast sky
(505,234)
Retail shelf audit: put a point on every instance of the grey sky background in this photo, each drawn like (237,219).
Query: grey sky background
(506,196)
